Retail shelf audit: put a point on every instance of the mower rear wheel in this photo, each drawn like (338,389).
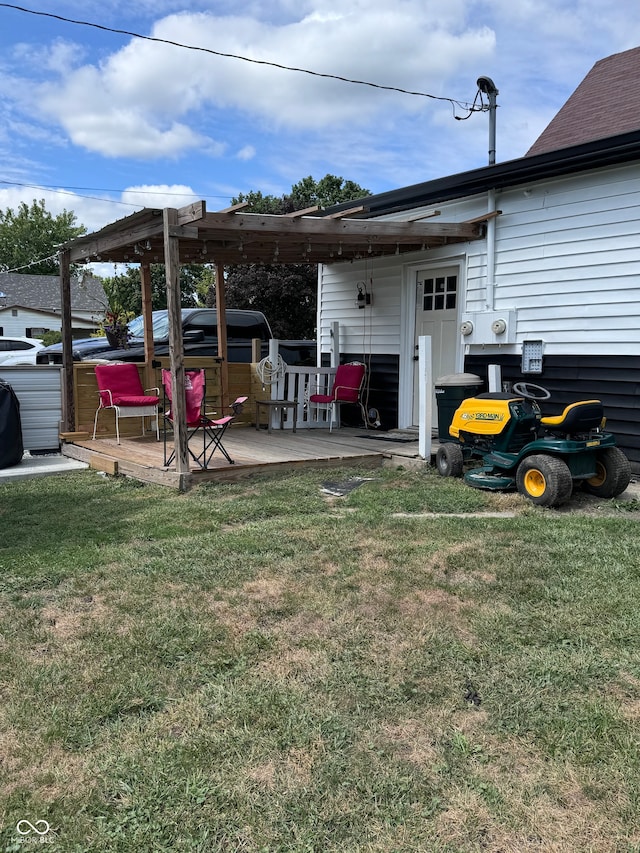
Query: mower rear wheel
(545,480)
(613,473)
(449,460)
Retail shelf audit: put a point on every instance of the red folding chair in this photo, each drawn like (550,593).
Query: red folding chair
(212,430)
(346,388)
(121,390)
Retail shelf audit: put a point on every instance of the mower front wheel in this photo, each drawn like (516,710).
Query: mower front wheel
(449,460)
(613,473)
(545,480)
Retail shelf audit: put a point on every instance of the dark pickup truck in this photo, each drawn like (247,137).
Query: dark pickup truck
(200,337)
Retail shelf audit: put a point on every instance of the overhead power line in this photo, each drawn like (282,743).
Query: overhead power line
(455,103)
(68,187)
(67,190)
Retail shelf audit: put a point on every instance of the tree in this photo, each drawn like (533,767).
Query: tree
(326,192)
(286,293)
(30,236)
(124,291)
(259,203)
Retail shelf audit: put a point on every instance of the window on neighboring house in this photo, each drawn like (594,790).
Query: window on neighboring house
(36,332)
(14,312)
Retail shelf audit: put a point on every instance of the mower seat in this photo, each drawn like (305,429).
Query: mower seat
(576,418)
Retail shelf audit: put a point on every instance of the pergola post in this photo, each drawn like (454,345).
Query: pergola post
(221,314)
(149,349)
(171,233)
(68,391)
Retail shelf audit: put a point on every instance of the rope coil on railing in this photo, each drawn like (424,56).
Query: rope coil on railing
(269,372)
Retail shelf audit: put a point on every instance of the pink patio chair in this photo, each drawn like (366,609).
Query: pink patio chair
(120,389)
(212,430)
(346,388)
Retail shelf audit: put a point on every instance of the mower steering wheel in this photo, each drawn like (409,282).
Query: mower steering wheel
(530,391)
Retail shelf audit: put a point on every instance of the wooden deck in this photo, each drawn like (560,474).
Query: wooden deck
(253,451)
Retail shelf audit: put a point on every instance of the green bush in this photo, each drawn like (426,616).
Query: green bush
(51,337)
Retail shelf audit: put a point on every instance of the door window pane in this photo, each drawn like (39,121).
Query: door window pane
(440,293)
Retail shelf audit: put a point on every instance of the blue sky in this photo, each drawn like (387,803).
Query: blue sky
(117,122)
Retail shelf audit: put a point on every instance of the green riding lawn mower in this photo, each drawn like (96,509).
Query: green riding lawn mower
(544,458)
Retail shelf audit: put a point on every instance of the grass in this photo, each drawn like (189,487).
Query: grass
(262,667)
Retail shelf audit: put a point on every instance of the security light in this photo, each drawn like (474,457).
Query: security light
(487,86)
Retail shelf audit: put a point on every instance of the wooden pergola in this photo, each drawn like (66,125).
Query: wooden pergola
(190,235)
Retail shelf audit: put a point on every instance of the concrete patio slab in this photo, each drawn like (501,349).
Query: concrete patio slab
(40,466)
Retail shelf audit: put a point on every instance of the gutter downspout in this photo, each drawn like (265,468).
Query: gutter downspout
(491,250)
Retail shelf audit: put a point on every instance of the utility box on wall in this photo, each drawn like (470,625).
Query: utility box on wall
(532,354)
(488,327)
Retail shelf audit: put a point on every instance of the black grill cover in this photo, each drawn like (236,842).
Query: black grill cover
(11,448)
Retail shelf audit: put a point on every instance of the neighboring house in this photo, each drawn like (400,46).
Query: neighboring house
(552,294)
(30,304)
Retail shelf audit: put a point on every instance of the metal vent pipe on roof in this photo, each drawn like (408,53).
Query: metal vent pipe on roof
(488,87)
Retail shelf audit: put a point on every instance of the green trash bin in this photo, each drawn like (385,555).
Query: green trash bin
(450,391)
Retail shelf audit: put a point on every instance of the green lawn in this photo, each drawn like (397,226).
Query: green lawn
(262,667)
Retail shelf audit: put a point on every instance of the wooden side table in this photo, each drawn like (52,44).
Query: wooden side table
(275,405)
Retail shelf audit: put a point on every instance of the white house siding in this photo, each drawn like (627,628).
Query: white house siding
(568,262)
(384,332)
(16,320)
(338,284)
(568,259)
(476,291)
(567,265)
(370,334)
(374,329)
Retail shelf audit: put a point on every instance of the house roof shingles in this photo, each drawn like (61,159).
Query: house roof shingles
(42,292)
(606,103)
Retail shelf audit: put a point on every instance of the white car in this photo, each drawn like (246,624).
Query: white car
(16,350)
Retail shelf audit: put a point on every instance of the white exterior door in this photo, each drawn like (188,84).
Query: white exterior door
(437,297)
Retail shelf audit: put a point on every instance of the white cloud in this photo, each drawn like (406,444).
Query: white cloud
(37,61)
(100,117)
(136,102)
(373,42)
(95,213)
(159,196)
(247,152)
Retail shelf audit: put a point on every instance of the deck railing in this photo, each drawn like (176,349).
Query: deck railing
(298,383)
